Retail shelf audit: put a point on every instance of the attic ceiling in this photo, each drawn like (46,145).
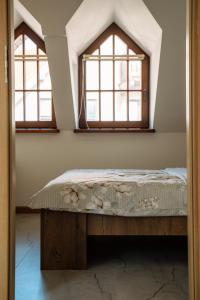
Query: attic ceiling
(21,14)
(68,27)
(87,24)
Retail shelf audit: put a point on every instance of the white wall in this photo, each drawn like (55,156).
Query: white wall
(42,157)
(170,113)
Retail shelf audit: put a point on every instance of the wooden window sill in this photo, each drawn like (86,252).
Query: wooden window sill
(115,130)
(37,130)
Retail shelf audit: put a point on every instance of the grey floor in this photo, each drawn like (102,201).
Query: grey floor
(119,269)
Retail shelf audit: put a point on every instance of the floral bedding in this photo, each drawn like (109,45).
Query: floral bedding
(122,192)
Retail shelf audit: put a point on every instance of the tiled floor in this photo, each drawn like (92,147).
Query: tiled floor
(125,269)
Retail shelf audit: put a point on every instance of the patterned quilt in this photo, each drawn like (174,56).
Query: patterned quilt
(122,192)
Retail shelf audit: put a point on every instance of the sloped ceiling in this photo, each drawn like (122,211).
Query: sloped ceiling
(170,109)
(21,14)
(52,17)
(94,16)
(17,19)
(69,27)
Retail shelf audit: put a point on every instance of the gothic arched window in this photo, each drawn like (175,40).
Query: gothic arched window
(33,91)
(114,83)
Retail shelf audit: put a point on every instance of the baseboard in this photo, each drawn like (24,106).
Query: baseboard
(26,210)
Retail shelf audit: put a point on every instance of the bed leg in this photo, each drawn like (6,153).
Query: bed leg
(63,240)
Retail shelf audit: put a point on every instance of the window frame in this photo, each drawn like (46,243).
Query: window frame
(113,29)
(24,29)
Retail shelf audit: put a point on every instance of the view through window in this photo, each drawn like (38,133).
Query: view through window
(33,91)
(115,84)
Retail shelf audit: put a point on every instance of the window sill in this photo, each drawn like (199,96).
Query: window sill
(115,130)
(37,130)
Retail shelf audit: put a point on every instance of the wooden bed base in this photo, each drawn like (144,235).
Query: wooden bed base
(64,234)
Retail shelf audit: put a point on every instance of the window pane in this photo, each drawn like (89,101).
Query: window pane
(135,75)
(45,80)
(107,47)
(40,52)
(121,75)
(135,106)
(18,75)
(106,106)
(18,46)
(106,75)
(131,52)
(31,75)
(45,99)
(92,106)
(92,75)
(31,106)
(96,52)
(19,106)
(120,46)
(30,46)
(121,106)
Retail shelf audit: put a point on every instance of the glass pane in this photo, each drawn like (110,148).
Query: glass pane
(106,75)
(30,46)
(135,75)
(31,106)
(45,80)
(31,75)
(106,106)
(121,106)
(107,47)
(121,75)
(18,75)
(96,52)
(135,106)
(120,46)
(92,106)
(131,52)
(40,52)
(18,46)
(19,106)
(45,106)
(92,75)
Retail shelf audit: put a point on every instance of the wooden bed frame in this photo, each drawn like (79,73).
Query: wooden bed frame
(64,234)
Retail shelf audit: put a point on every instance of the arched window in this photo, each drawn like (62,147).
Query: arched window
(114,83)
(33,91)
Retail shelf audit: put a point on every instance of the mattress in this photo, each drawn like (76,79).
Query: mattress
(121,192)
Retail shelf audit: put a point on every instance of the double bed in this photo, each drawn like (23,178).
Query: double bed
(81,203)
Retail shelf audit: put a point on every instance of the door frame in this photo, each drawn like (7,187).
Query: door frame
(12,170)
(193,145)
(7,203)
(7,154)
(4,155)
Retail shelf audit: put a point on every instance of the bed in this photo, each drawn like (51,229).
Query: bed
(82,203)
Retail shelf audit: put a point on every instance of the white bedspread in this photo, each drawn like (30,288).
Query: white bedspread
(122,192)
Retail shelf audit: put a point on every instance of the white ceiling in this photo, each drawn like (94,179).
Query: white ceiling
(21,14)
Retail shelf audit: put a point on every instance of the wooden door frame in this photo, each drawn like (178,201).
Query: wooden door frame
(193,143)
(12,179)
(4,157)
(7,154)
(7,252)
